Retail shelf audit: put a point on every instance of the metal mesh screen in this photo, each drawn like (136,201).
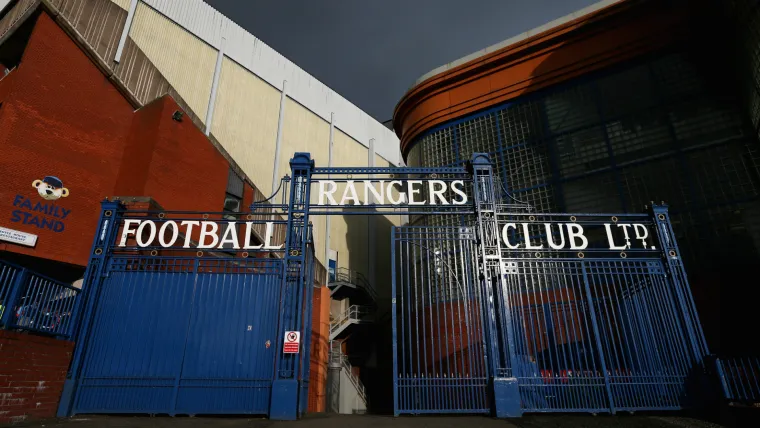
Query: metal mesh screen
(650,131)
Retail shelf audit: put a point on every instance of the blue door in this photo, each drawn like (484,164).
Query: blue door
(182,337)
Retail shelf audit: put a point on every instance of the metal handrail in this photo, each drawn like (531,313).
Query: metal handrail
(354,277)
(337,357)
(353,312)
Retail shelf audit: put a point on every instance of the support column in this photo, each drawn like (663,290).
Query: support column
(504,390)
(371,222)
(278,141)
(214,86)
(699,383)
(679,282)
(329,217)
(285,387)
(125,31)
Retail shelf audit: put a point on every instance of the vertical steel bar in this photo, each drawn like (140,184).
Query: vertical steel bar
(394,337)
(597,337)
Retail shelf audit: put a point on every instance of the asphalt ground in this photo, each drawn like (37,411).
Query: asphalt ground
(366,421)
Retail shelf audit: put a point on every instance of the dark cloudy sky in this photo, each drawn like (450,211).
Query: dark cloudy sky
(372,51)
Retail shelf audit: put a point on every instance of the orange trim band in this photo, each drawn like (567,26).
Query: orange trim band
(608,36)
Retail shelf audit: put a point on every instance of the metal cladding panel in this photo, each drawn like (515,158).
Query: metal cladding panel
(124,4)
(229,353)
(349,234)
(14,15)
(246,129)
(185,61)
(304,131)
(99,22)
(134,353)
(254,55)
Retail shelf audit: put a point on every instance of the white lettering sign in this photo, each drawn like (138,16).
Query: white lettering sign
(210,234)
(561,236)
(378,192)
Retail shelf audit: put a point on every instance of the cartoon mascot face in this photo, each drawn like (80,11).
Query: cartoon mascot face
(51,188)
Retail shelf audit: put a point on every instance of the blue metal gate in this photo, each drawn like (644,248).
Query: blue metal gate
(527,312)
(182,336)
(173,324)
(437,322)
(486,315)
(597,330)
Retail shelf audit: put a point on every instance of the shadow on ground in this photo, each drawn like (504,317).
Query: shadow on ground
(320,421)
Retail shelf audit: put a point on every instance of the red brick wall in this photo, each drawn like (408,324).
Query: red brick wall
(32,371)
(186,171)
(5,85)
(61,117)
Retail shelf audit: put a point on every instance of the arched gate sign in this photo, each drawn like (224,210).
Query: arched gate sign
(496,309)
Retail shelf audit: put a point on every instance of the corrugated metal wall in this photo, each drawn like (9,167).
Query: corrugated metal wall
(17,13)
(304,131)
(184,60)
(99,22)
(245,121)
(209,25)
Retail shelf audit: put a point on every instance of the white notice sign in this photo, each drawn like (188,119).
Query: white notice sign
(17,237)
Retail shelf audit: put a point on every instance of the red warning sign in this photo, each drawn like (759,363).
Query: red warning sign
(292,342)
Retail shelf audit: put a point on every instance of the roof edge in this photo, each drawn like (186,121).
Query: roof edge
(516,39)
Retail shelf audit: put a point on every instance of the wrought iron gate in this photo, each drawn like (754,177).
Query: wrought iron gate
(437,322)
(597,330)
(496,314)
(556,320)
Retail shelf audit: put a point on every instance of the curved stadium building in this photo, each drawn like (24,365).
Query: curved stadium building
(608,109)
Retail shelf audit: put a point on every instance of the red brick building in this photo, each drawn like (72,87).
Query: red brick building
(64,122)
(61,117)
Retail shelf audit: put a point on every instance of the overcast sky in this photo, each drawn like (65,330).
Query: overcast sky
(372,51)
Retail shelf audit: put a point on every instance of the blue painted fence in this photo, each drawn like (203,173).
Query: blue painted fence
(740,379)
(30,301)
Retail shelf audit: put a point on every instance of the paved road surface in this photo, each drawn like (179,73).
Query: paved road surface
(317,421)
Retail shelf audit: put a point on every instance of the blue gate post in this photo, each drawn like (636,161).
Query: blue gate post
(505,393)
(698,384)
(10,302)
(285,386)
(306,342)
(108,226)
(677,274)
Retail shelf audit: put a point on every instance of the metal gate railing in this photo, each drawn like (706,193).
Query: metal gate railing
(591,330)
(439,358)
(596,329)
(33,302)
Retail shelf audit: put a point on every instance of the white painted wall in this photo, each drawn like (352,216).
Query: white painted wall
(254,55)
(350,402)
